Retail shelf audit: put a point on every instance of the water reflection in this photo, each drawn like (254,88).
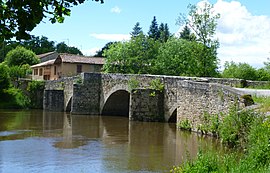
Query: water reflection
(96,143)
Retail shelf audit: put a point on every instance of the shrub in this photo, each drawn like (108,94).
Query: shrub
(20,56)
(16,99)
(185,125)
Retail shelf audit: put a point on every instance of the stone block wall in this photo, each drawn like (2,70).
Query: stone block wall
(86,94)
(53,100)
(195,100)
(146,105)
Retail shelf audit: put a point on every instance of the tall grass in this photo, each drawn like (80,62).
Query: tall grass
(264,103)
(246,130)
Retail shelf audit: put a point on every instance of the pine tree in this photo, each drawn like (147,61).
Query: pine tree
(164,32)
(137,30)
(153,30)
(186,34)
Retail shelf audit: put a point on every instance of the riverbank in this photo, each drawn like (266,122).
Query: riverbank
(248,131)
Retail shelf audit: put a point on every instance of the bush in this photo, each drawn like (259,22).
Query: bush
(4,78)
(240,71)
(20,56)
(248,128)
(235,127)
(14,99)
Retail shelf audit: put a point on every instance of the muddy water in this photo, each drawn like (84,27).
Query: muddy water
(39,141)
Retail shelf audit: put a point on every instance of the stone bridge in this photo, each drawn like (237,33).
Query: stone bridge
(141,97)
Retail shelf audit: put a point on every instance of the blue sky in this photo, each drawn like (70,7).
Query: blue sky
(243,29)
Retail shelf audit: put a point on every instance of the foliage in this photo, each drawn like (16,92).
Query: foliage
(63,48)
(185,125)
(236,126)
(259,144)
(153,30)
(39,45)
(17,72)
(239,70)
(135,56)
(35,88)
(14,98)
(18,18)
(181,57)
(20,56)
(203,22)
(210,123)
(264,103)
(187,35)
(100,53)
(136,30)
(4,78)
(254,131)
(133,84)
(164,33)
(156,84)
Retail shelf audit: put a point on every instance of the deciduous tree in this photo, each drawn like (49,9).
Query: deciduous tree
(20,56)
(135,56)
(63,48)
(203,22)
(19,17)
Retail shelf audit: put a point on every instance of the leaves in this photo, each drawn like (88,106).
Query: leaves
(18,18)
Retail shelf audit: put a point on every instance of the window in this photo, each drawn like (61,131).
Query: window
(54,70)
(40,71)
(35,71)
(79,68)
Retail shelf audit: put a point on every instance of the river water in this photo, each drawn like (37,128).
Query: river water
(39,141)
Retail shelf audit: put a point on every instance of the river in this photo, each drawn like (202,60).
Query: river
(40,141)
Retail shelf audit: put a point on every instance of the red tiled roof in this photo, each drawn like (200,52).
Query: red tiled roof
(69,58)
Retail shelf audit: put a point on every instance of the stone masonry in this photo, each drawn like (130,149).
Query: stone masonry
(90,93)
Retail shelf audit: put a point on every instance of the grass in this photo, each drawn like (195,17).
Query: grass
(264,103)
(247,131)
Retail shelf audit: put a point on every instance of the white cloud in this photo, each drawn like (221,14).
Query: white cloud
(111,37)
(243,37)
(116,9)
(90,52)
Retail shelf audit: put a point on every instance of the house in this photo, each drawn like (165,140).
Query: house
(54,66)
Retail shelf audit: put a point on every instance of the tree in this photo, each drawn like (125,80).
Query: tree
(4,78)
(136,30)
(179,57)
(100,53)
(39,45)
(164,32)
(18,18)
(187,35)
(136,56)
(63,48)
(240,71)
(153,30)
(20,56)
(203,22)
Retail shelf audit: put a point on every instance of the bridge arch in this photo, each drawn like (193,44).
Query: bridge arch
(117,104)
(68,105)
(173,117)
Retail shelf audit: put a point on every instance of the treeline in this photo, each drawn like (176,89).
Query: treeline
(193,53)
(38,45)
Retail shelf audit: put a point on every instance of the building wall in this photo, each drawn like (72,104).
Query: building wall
(70,69)
(63,70)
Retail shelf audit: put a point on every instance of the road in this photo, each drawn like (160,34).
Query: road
(255,92)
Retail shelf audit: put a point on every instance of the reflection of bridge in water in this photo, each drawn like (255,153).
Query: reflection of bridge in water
(134,144)
(134,96)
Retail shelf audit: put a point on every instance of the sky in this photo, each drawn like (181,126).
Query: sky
(243,29)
